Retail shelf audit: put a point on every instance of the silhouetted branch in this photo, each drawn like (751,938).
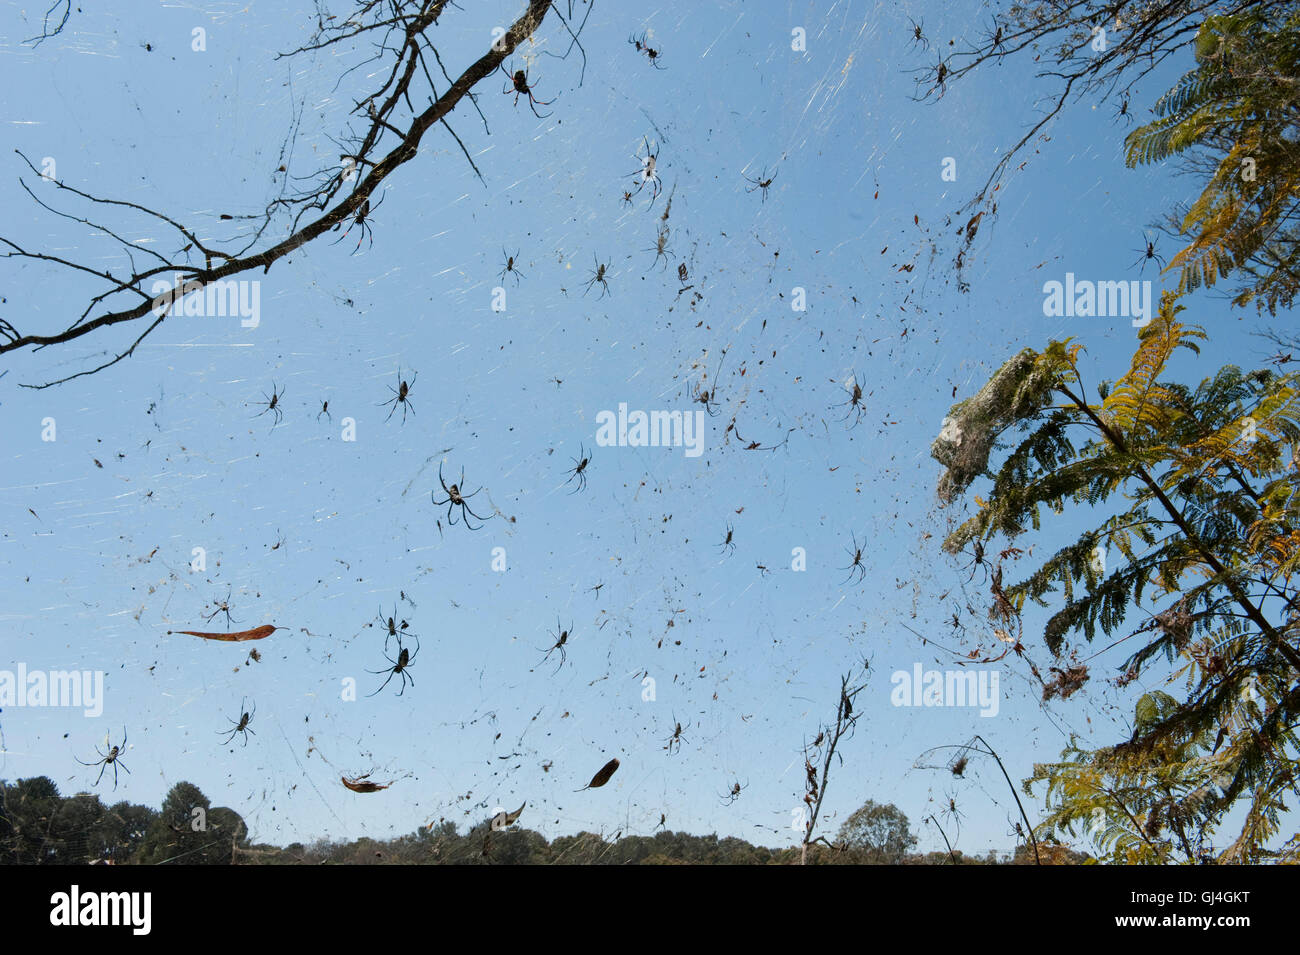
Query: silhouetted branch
(400,28)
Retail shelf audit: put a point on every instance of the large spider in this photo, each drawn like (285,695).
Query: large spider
(763,182)
(561,638)
(240,725)
(401,396)
(399,666)
(519,86)
(456,499)
(578,471)
(647,172)
(112,758)
(362,218)
(856,567)
(1148,253)
(272,405)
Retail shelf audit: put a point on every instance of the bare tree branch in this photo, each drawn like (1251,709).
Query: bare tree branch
(830,737)
(401,31)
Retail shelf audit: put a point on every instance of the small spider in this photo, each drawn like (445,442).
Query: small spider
(399,666)
(240,725)
(362,218)
(519,85)
(857,407)
(676,739)
(763,182)
(401,396)
(1123,113)
(112,758)
(272,405)
(1147,254)
(510,267)
(393,628)
(643,47)
(856,567)
(578,471)
(456,499)
(223,606)
(648,171)
(682,275)
(661,249)
(598,276)
(731,795)
(627,197)
(918,35)
(561,638)
(728,546)
(708,396)
(951,811)
(325,410)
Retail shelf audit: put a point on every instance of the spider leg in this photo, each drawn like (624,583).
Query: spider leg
(103,766)
(532,105)
(464,509)
(385,683)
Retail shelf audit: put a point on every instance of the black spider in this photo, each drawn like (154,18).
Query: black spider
(763,182)
(362,218)
(578,471)
(399,666)
(112,758)
(856,567)
(510,268)
(1147,254)
(240,725)
(401,396)
(598,276)
(272,405)
(519,85)
(456,499)
(561,638)
(918,35)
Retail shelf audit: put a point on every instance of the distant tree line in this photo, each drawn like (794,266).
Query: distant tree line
(40,827)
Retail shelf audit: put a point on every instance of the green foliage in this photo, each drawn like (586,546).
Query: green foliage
(1191,491)
(880,831)
(1234,117)
(189,832)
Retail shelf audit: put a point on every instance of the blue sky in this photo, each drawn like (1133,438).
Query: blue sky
(318,535)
